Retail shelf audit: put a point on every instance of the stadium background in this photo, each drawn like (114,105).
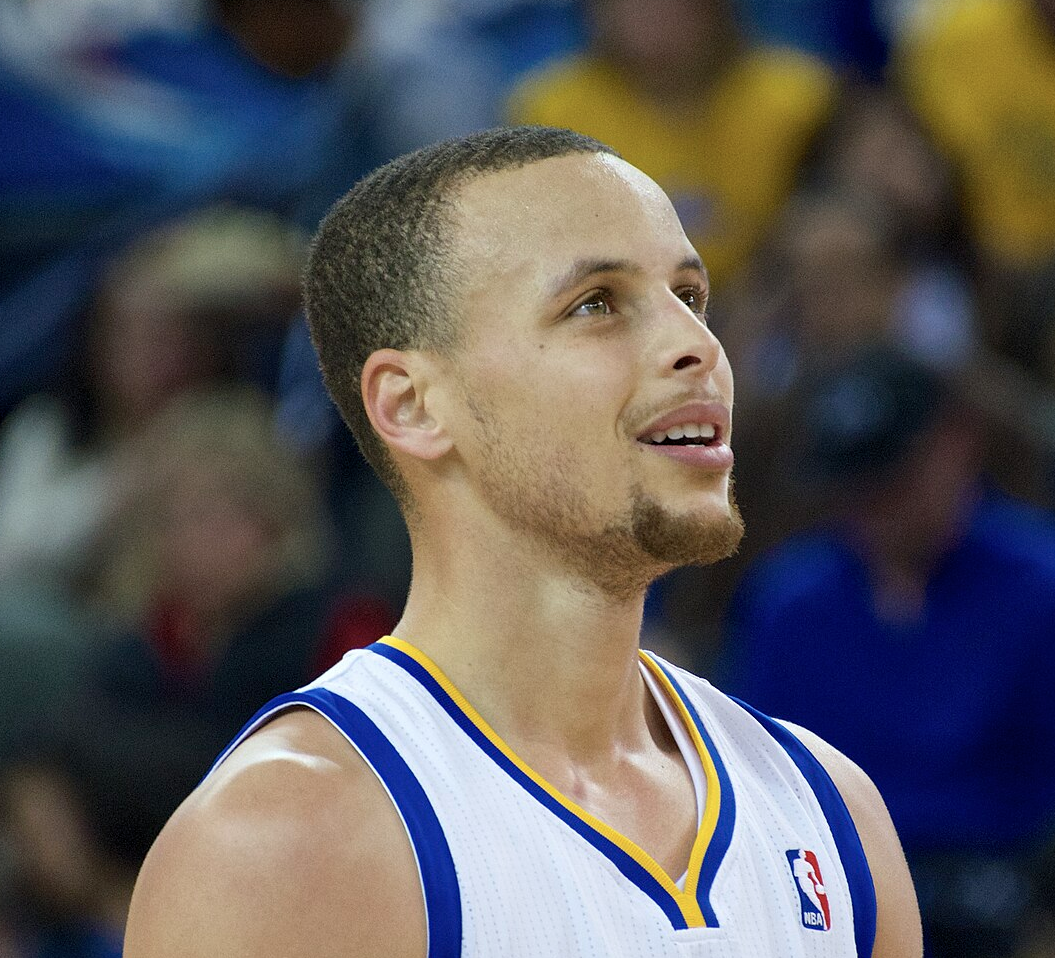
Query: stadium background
(186,529)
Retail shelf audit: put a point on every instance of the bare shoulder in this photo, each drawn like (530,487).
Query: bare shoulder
(898,932)
(291,848)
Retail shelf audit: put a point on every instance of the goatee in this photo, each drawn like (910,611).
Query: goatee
(686,540)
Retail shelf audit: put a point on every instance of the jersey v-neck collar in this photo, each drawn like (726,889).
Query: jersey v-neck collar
(687,907)
(686,746)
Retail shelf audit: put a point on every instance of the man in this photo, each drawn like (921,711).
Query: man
(980,74)
(513,324)
(659,78)
(926,597)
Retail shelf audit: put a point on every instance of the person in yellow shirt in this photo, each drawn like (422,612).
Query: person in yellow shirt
(981,74)
(722,126)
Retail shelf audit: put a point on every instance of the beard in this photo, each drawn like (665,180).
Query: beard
(652,539)
(677,540)
(538,492)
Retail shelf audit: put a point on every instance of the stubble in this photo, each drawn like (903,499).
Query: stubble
(539,492)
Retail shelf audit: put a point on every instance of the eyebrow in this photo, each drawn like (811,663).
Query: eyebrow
(583,269)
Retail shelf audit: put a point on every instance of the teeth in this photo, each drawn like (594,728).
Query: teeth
(691,430)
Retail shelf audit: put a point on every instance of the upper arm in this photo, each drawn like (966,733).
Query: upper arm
(291,848)
(898,931)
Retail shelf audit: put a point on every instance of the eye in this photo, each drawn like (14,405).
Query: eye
(597,303)
(694,298)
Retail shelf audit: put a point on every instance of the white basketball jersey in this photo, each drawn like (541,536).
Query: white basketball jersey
(511,868)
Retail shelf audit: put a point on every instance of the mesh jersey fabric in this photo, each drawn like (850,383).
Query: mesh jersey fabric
(511,867)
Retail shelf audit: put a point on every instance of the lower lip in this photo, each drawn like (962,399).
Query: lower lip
(716,458)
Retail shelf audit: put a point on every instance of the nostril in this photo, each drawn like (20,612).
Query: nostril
(687,361)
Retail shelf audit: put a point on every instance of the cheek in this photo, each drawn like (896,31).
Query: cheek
(544,385)
(552,439)
(565,399)
(723,376)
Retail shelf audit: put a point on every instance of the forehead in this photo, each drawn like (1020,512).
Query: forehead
(530,224)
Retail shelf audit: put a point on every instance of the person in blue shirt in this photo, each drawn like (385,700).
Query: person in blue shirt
(914,630)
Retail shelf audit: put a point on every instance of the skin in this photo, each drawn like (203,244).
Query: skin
(522,456)
(672,50)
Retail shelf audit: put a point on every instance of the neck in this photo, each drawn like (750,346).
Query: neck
(548,659)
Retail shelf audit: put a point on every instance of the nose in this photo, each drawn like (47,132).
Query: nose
(685,342)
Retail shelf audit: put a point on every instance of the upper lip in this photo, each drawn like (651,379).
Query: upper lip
(701,411)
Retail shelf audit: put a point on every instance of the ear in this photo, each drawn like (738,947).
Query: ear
(395,388)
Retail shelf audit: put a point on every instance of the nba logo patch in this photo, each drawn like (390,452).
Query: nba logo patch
(806,871)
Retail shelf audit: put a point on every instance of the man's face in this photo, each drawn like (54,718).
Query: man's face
(667,45)
(584,345)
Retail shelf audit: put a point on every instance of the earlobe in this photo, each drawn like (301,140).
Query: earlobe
(395,390)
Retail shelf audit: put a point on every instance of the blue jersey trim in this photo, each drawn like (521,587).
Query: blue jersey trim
(624,862)
(723,832)
(847,840)
(439,880)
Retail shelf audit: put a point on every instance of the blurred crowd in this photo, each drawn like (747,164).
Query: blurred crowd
(186,529)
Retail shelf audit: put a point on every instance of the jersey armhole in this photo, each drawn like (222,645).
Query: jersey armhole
(436,871)
(844,831)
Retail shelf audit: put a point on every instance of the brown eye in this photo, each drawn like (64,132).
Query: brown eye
(596,304)
(694,299)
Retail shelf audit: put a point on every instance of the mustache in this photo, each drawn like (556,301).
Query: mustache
(640,418)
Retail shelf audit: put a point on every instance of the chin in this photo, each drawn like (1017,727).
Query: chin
(701,537)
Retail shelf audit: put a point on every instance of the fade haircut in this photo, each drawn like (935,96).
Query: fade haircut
(382,272)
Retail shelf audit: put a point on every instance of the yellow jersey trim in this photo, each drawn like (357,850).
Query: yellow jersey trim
(686,900)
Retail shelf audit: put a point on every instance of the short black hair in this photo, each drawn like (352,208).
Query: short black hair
(382,269)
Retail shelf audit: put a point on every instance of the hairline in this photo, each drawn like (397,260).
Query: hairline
(434,259)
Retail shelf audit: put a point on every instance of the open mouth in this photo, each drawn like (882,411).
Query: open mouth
(688,434)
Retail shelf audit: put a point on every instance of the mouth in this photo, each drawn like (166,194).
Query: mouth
(696,435)
(686,434)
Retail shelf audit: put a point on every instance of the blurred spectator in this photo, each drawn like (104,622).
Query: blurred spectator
(215,569)
(450,64)
(188,305)
(838,279)
(875,148)
(259,102)
(842,271)
(871,248)
(981,74)
(854,37)
(69,891)
(218,515)
(912,627)
(194,302)
(722,126)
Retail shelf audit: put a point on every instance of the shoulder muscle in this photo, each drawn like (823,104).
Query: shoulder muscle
(291,848)
(898,932)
